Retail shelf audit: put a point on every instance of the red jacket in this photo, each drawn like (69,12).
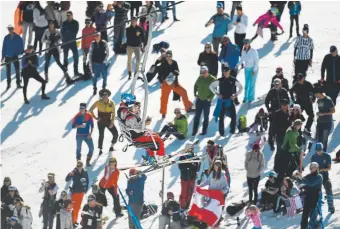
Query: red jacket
(86,41)
(112,180)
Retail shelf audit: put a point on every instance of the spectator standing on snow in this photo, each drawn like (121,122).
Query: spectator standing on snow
(4,189)
(209,59)
(221,21)
(40,25)
(66,215)
(100,18)
(69,31)
(325,165)
(331,65)
(250,58)
(254,164)
(325,117)
(52,13)
(86,41)
(26,13)
(106,117)
(178,128)
(98,56)
(170,214)
(303,51)
(50,189)
(109,182)
(135,192)
(279,75)
(83,122)
(134,8)
(58,205)
(12,47)
(203,96)
(80,185)
(23,213)
(165,12)
(304,92)
(294,12)
(241,22)
(148,8)
(121,9)
(134,42)
(91,215)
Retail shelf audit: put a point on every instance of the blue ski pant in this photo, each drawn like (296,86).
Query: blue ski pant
(89,143)
(250,82)
(99,70)
(323,131)
(202,106)
(164,6)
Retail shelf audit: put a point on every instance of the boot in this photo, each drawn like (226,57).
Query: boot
(46,77)
(129,75)
(19,86)
(44,97)
(236,102)
(111,148)
(176,19)
(26,101)
(100,152)
(163,116)
(88,159)
(291,35)
(76,73)
(190,110)
(8,86)
(94,90)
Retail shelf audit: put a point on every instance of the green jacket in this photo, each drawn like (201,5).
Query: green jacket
(201,88)
(181,125)
(290,140)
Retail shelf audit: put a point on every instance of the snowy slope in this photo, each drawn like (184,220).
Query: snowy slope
(37,138)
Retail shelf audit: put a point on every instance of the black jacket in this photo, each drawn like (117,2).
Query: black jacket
(15,226)
(4,192)
(90,217)
(227,86)
(284,82)
(174,207)
(274,98)
(7,201)
(165,69)
(58,205)
(121,13)
(331,64)
(101,198)
(304,92)
(131,37)
(280,123)
(188,170)
(210,60)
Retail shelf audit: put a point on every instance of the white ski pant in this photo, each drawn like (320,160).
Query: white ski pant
(165,220)
(27,27)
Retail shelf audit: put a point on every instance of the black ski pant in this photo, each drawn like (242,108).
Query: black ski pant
(239,37)
(301,66)
(333,91)
(38,33)
(201,106)
(31,72)
(253,184)
(116,204)
(55,53)
(308,208)
(9,70)
(279,141)
(270,131)
(322,133)
(232,113)
(48,219)
(308,107)
(287,163)
(292,19)
(73,47)
(101,129)
(171,129)
(58,222)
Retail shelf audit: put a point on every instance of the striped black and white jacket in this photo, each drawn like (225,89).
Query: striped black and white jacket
(303,48)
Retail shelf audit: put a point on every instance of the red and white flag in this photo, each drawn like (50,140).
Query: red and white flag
(207,206)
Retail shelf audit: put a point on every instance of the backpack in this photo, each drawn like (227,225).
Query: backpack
(242,124)
(162,44)
(148,210)
(236,207)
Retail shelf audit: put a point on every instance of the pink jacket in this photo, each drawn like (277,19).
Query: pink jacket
(256,219)
(266,19)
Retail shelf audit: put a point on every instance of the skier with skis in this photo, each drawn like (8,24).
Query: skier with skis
(66,215)
(170,214)
(325,165)
(304,92)
(91,215)
(83,122)
(325,117)
(241,22)
(209,59)
(105,118)
(331,65)
(98,56)
(294,12)
(303,51)
(121,9)
(50,189)
(109,182)
(225,104)
(80,185)
(23,213)
(270,192)
(100,18)
(261,122)
(58,205)
(221,21)
(178,128)
(168,77)
(279,75)
(135,192)
(30,63)
(203,96)
(312,183)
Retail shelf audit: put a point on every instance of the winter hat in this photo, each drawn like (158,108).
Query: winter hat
(82,106)
(305,28)
(239,7)
(284,102)
(319,146)
(132,171)
(225,67)
(7,179)
(314,165)
(333,49)
(169,52)
(256,146)
(277,81)
(272,174)
(318,89)
(177,111)
(170,195)
(261,110)
(279,69)
(12,188)
(296,107)
(204,69)
(14,219)
(301,76)
(297,122)
(246,41)
(91,197)
(219,5)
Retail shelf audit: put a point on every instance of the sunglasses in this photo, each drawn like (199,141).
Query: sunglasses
(208,47)
(69,15)
(11,190)
(6,181)
(278,71)
(168,55)
(111,162)
(79,165)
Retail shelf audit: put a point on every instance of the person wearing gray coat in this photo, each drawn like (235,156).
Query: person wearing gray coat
(66,215)
(254,164)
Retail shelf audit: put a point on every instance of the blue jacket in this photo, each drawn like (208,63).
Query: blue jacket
(136,185)
(69,30)
(12,47)
(80,119)
(230,54)
(227,103)
(294,9)
(78,186)
(221,24)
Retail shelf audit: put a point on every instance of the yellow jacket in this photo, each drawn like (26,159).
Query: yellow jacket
(106,111)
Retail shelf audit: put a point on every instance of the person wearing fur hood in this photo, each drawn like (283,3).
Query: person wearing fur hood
(23,213)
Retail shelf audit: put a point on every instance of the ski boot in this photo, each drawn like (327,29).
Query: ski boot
(94,90)
(236,102)
(163,116)
(44,97)
(111,148)
(19,86)
(176,19)
(27,102)
(100,152)
(8,86)
(129,75)
(88,159)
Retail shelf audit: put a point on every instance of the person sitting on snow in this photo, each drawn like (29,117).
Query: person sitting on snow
(178,128)
(170,208)
(270,192)
(261,120)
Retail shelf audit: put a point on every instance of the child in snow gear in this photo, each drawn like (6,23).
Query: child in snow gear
(294,11)
(170,210)
(221,21)
(105,118)
(109,182)
(209,59)
(203,96)
(91,215)
(23,213)
(325,164)
(86,41)
(261,122)
(225,103)
(241,22)
(303,51)
(279,75)
(121,9)
(270,192)
(66,215)
(12,47)
(98,56)
(135,192)
(7,205)
(254,214)
(58,205)
(178,128)
(80,185)
(29,63)
(83,122)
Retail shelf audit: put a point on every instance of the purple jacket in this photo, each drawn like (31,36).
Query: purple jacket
(100,19)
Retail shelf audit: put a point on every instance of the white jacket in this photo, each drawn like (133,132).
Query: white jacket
(250,59)
(144,11)
(25,217)
(66,219)
(39,19)
(214,184)
(241,27)
(46,38)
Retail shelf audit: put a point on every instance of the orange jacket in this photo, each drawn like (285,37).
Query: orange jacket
(112,179)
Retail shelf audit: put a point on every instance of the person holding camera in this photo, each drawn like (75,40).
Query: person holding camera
(170,213)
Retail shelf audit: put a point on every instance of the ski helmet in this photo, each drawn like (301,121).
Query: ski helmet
(272,174)
(314,165)
(318,146)
(128,98)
